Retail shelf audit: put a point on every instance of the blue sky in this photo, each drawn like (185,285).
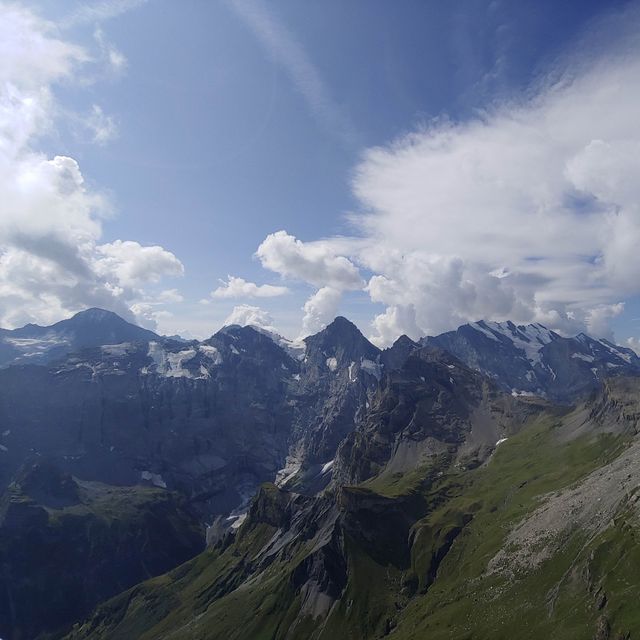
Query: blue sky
(220,123)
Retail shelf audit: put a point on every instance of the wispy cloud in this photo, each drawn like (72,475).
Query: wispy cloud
(99,12)
(287,51)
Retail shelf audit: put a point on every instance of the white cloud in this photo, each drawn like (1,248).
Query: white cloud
(101,127)
(245,314)
(239,288)
(316,263)
(131,265)
(598,319)
(31,57)
(320,309)
(634,343)
(530,211)
(170,295)
(114,59)
(285,50)
(51,260)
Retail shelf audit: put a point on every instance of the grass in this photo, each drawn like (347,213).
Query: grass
(464,601)
(417,548)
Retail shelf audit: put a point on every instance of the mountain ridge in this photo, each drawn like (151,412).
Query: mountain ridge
(340,477)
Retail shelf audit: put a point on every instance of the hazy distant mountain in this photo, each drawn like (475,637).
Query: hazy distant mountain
(91,328)
(532,359)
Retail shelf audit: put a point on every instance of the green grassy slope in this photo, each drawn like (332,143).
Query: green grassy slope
(416,554)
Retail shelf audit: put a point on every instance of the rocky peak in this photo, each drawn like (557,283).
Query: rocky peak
(531,359)
(251,343)
(96,326)
(396,355)
(341,340)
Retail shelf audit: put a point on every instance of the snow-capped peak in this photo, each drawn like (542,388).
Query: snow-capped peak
(529,338)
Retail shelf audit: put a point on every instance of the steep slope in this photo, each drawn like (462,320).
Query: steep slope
(431,406)
(209,419)
(386,463)
(66,545)
(212,419)
(532,359)
(90,328)
(443,551)
(339,372)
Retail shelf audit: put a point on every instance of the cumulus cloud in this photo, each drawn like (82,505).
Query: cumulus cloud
(316,263)
(598,319)
(320,309)
(529,211)
(52,260)
(245,314)
(634,343)
(235,287)
(133,265)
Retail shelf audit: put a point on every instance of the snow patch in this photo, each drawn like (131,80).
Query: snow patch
(116,349)
(236,521)
(175,362)
(482,328)
(372,368)
(291,468)
(154,478)
(332,364)
(582,356)
(519,393)
(36,346)
(616,352)
(211,353)
(326,467)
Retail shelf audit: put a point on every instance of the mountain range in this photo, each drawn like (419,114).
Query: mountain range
(480,483)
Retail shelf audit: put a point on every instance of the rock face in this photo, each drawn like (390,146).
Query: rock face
(389,473)
(339,372)
(215,419)
(531,359)
(209,419)
(432,406)
(66,545)
(537,541)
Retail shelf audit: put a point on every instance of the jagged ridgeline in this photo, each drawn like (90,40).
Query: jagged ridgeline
(477,484)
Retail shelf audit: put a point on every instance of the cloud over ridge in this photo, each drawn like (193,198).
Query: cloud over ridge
(53,260)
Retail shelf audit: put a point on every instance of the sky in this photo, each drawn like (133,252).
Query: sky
(411,165)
